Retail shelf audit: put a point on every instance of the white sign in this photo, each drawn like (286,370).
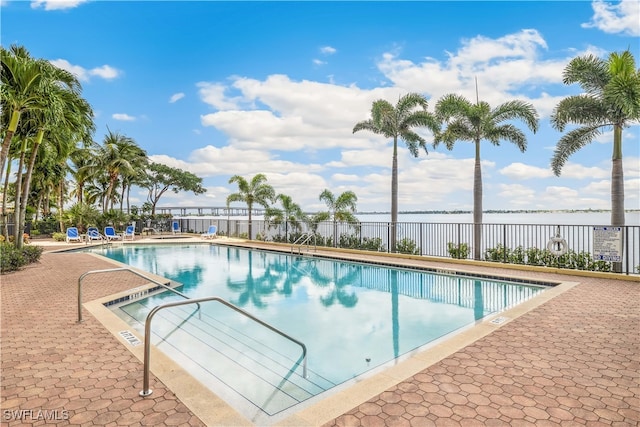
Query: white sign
(607,244)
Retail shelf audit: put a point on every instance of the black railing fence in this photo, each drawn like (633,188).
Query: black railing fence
(506,243)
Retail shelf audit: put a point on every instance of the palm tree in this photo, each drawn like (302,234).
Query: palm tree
(290,213)
(250,192)
(611,100)
(119,155)
(20,89)
(398,123)
(46,109)
(67,119)
(466,121)
(341,209)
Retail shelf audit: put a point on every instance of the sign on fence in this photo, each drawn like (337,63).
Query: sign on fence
(607,244)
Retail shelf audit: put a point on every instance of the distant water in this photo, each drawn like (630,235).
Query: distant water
(551,218)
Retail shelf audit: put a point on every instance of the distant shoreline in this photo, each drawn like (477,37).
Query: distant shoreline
(510,211)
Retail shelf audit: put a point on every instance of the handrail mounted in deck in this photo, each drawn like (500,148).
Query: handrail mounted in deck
(109,270)
(146,391)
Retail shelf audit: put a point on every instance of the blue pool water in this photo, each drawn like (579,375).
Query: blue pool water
(352,317)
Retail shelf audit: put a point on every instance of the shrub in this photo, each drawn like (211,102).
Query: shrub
(459,251)
(32,253)
(59,237)
(497,254)
(11,258)
(407,246)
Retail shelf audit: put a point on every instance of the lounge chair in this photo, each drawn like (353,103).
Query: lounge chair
(175,227)
(211,233)
(73,235)
(130,233)
(94,234)
(110,234)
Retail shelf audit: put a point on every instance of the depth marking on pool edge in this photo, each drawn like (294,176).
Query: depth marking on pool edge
(499,320)
(131,339)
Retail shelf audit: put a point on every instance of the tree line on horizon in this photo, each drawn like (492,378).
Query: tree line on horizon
(47,132)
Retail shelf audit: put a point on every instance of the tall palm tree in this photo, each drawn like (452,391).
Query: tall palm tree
(398,123)
(118,156)
(81,159)
(68,119)
(46,108)
(250,192)
(466,121)
(611,100)
(21,91)
(341,209)
(290,213)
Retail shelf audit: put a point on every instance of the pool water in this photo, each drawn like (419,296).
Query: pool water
(353,317)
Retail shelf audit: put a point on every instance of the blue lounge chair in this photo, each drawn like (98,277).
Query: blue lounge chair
(73,235)
(94,234)
(211,233)
(110,234)
(175,227)
(130,233)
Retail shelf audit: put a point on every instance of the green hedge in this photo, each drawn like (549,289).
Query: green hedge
(12,259)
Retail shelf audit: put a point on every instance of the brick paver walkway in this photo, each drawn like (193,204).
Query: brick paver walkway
(572,361)
(575,360)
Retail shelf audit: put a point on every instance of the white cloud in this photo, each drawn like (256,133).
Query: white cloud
(578,171)
(319,62)
(328,50)
(623,17)
(56,4)
(502,67)
(214,95)
(176,97)
(106,72)
(123,117)
(521,171)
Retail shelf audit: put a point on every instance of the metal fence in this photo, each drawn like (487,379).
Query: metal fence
(506,243)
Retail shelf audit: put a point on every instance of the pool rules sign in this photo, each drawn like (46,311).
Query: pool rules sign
(607,244)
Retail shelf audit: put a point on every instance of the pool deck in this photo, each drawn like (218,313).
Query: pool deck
(572,358)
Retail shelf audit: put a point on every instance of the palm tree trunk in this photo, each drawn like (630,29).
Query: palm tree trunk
(18,190)
(250,206)
(617,180)
(477,205)
(617,187)
(5,215)
(26,189)
(6,143)
(394,196)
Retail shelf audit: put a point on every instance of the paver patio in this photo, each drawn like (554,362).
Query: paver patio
(574,360)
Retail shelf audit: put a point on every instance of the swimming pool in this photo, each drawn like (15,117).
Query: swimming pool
(353,317)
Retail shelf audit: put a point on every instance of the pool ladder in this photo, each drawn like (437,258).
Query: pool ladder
(304,240)
(111,270)
(146,391)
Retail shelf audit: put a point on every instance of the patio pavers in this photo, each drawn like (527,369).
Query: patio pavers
(574,360)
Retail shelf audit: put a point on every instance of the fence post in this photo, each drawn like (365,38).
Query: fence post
(504,243)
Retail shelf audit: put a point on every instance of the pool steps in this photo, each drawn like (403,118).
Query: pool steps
(244,362)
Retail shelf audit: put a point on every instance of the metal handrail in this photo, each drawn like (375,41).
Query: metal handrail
(109,270)
(146,391)
(304,240)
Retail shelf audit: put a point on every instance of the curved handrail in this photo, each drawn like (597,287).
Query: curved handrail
(146,391)
(109,270)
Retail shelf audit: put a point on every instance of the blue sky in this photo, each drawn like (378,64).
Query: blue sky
(225,88)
